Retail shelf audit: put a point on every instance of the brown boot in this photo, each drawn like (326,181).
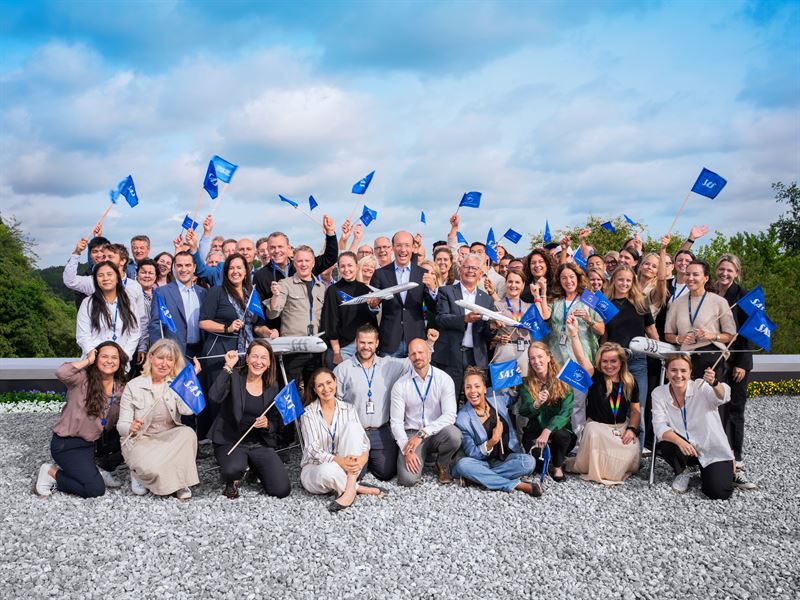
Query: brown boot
(443,475)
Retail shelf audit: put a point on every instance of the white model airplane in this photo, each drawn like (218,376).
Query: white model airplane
(291,344)
(652,348)
(486,314)
(385,294)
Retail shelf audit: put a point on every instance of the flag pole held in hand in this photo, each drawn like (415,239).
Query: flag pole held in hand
(241,439)
(724,352)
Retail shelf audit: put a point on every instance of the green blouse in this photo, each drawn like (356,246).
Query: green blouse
(548,416)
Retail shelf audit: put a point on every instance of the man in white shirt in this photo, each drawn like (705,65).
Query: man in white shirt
(423,413)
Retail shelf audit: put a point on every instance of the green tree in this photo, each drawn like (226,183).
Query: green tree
(788,225)
(35,323)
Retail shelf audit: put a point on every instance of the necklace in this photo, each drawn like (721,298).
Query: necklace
(483,415)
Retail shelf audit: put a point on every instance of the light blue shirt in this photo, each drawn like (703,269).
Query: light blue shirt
(191,308)
(403,275)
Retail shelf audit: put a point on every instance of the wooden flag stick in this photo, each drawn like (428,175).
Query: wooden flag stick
(103,217)
(497,412)
(308,215)
(241,439)
(680,210)
(219,198)
(197,208)
(144,416)
(353,212)
(724,352)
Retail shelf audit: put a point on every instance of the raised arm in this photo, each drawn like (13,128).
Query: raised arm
(577,348)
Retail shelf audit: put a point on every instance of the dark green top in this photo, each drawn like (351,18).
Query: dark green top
(548,416)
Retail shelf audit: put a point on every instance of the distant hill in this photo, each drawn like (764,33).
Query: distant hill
(53,277)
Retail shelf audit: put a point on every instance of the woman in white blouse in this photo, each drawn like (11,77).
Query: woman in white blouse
(107,314)
(336,447)
(687,424)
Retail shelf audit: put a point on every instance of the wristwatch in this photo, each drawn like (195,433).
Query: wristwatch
(421,434)
(634,430)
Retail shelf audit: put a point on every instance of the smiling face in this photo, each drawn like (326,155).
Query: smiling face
(696,278)
(367,271)
(568,281)
(236,271)
(679,373)
(470,271)
(726,273)
(596,281)
(622,282)
(383,250)
(418,354)
(626,258)
(303,263)
(257,360)
(682,261)
(146,276)
(139,249)
(263,252)
(539,361)
(649,267)
(366,345)
(610,364)
(538,266)
(325,387)
(444,260)
(184,268)
(514,285)
(347,268)
(402,247)
(161,365)
(278,248)
(610,263)
(107,360)
(107,279)
(475,390)
(595,262)
(98,254)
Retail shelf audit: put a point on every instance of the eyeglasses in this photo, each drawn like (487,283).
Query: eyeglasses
(467,268)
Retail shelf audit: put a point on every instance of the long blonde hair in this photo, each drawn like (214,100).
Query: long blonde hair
(635,295)
(556,388)
(624,374)
(160,348)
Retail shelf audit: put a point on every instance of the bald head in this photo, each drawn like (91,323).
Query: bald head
(420,355)
(402,244)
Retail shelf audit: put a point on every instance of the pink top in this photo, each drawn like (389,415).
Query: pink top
(74,422)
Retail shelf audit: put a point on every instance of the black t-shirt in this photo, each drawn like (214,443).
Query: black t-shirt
(597,401)
(628,324)
(489,425)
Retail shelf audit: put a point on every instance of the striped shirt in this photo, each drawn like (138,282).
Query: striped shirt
(321,440)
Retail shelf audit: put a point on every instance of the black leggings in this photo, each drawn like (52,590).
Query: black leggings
(264,461)
(561,442)
(716,478)
(77,473)
(732,414)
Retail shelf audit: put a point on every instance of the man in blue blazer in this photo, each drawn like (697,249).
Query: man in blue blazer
(402,317)
(463,336)
(183,300)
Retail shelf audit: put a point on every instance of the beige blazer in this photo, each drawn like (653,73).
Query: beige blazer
(137,400)
(292,306)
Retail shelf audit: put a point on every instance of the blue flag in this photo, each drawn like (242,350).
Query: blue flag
(284,199)
(504,375)
(360,186)
(491,246)
(629,220)
(422,217)
(752,301)
(708,184)
(545,461)
(470,200)
(461,239)
(602,305)
(533,322)
(288,403)
(368,215)
(189,223)
(759,329)
(547,237)
(345,297)
(512,236)
(210,182)
(579,260)
(188,388)
(127,189)
(164,315)
(254,305)
(576,376)
(589,299)
(312,203)
(608,225)
(223,169)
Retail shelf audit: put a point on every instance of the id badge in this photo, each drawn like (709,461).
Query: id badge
(562,339)
(520,346)
(310,329)
(617,432)
(370,409)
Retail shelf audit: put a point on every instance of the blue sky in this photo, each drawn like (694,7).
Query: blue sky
(552,109)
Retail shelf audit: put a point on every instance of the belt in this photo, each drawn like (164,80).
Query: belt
(466,348)
(375,428)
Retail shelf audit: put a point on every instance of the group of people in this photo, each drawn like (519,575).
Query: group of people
(404,380)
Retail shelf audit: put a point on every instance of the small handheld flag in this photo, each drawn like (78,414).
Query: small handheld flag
(759,329)
(491,246)
(753,301)
(127,189)
(291,202)
(164,315)
(461,239)
(512,236)
(288,403)
(254,305)
(188,388)
(579,260)
(708,184)
(470,200)
(422,217)
(609,226)
(188,223)
(629,220)
(210,182)
(545,461)
(547,237)
(504,375)
(223,169)
(360,186)
(368,215)
(602,305)
(533,322)
(576,376)
(312,203)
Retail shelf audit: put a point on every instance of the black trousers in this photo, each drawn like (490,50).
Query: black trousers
(262,459)
(701,362)
(77,473)
(108,451)
(561,442)
(456,373)
(383,452)
(732,414)
(716,478)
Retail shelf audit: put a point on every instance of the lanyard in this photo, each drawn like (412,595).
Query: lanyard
(516,315)
(332,434)
(615,406)
(103,421)
(310,306)
(369,379)
(116,310)
(678,295)
(685,422)
(421,397)
(567,309)
(699,306)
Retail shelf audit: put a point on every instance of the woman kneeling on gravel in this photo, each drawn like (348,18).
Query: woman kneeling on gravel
(494,458)
(609,447)
(159,450)
(336,445)
(686,421)
(94,386)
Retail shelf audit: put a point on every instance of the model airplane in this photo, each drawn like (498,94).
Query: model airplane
(385,294)
(652,348)
(486,314)
(297,344)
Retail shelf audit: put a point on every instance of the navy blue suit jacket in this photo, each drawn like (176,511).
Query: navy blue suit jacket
(171,294)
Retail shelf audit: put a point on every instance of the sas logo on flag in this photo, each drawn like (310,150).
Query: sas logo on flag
(165,312)
(602,306)
(765,330)
(191,386)
(709,184)
(757,303)
(508,373)
(577,376)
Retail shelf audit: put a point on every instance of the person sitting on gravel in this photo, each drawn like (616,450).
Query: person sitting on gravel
(609,448)
(686,421)
(159,450)
(336,447)
(245,393)
(94,386)
(423,414)
(494,458)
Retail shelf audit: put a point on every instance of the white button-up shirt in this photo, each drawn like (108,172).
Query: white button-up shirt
(469,297)
(409,412)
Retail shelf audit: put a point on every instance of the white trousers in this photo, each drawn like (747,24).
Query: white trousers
(330,477)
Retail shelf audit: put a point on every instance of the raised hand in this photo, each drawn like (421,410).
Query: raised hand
(328,226)
(80,246)
(698,231)
(208,225)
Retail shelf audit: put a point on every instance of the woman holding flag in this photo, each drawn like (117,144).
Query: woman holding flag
(512,342)
(609,449)
(158,449)
(244,394)
(538,271)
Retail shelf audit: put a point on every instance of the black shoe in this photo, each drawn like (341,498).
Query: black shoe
(374,487)
(335,507)
(536,489)
(560,478)
(231,490)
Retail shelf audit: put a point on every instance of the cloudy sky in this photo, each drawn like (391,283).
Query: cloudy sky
(552,109)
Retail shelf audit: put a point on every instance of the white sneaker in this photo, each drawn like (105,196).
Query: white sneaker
(45,484)
(739,465)
(109,479)
(183,494)
(137,487)
(681,482)
(740,482)
(647,453)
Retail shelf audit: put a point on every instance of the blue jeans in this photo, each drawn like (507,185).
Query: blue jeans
(495,474)
(400,352)
(637,365)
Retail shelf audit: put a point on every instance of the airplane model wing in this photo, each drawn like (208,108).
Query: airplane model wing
(653,348)
(486,314)
(384,294)
(292,344)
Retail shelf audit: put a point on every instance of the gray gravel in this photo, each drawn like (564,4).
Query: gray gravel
(578,541)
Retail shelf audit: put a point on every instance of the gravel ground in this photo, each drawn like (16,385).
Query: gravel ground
(578,541)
